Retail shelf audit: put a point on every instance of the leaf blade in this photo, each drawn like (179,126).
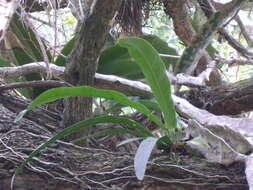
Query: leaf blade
(154,70)
(87,91)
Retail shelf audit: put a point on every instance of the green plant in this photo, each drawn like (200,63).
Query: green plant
(116,60)
(153,69)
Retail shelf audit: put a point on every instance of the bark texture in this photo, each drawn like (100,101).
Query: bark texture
(82,64)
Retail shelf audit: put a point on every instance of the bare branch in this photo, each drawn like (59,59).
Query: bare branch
(39,67)
(216,100)
(105,81)
(236,45)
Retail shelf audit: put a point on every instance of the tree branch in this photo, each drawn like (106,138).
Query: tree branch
(215,100)
(209,10)
(193,52)
(103,81)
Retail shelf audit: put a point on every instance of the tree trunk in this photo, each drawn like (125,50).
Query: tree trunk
(82,65)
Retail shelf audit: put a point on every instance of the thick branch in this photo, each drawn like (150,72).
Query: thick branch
(101,81)
(184,30)
(216,100)
(200,42)
(37,67)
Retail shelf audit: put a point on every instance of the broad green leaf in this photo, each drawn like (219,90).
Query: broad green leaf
(116,60)
(80,125)
(154,70)
(63,92)
(142,156)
